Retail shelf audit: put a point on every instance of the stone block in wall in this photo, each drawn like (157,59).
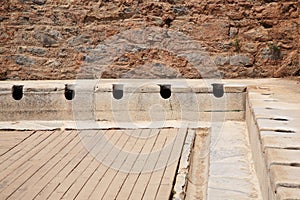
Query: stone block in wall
(287,193)
(241,60)
(258,34)
(284,176)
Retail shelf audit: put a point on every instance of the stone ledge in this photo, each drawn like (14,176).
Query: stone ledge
(284,176)
(282,157)
(90,125)
(94,99)
(273,115)
(284,193)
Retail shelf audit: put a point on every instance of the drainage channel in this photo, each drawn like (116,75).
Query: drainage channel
(217,165)
(192,175)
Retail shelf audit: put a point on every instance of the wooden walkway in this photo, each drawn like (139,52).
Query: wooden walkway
(89,164)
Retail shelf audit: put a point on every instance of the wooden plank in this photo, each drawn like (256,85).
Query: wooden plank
(174,157)
(164,191)
(120,175)
(104,183)
(22,149)
(156,176)
(71,177)
(94,178)
(23,134)
(166,183)
(54,145)
(58,166)
(51,180)
(90,187)
(54,166)
(5,138)
(160,184)
(81,181)
(12,168)
(142,181)
(140,161)
(57,152)
(9,143)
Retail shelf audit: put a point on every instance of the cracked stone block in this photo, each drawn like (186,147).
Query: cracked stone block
(282,142)
(284,176)
(276,134)
(272,113)
(278,124)
(241,60)
(285,193)
(282,157)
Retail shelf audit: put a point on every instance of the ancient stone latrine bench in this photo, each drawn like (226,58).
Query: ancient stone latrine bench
(218,108)
(122,100)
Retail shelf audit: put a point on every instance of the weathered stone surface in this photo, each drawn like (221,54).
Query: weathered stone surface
(48,40)
(286,193)
(250,47)
(24,60)
(233,31)
(282,157)
(39,2)
(178,102)
(140,101)
(231,165)
(37,51)
(284,176)
(291,142)
(221,60)
(274,119)
(260,34)
(241,60)
(79,40)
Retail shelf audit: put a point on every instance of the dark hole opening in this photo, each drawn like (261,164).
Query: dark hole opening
(17,92)
(168,22)
(165,91)
(295,164)
(266,25)
(269,108)
(218,90)
(292,148)
(280,119)
(69,92)
(284,131)
(118,91)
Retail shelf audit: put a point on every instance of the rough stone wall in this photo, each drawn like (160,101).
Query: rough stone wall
(51,39)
